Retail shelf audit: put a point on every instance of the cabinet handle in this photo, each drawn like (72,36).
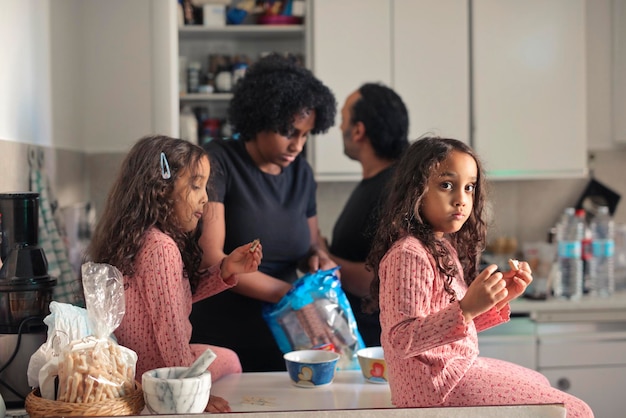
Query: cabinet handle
(563,383)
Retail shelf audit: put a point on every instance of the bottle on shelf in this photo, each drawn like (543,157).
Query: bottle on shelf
(193,76)
(188,125)
(569,237)
(601,266)
(586,252)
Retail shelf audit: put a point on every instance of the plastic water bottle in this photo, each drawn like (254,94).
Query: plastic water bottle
(601,266)
(570,233)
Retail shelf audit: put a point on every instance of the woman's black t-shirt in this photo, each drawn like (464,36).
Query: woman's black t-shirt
(273,208)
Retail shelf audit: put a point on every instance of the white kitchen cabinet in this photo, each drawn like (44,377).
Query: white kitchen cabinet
(587,360)
(508,77)
(619,70)
(393,43)
(431,65)
(513,348)
(350,45)
(579,346)
(514,341)
(529,94)
(600,387)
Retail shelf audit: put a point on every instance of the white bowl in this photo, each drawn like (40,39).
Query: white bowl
(164,393)
(373,365)
(311,368)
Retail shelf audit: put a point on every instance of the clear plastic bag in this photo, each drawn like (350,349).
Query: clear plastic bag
(315,313)
(94,368)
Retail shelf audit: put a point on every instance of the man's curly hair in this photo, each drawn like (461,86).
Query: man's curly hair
(273,92)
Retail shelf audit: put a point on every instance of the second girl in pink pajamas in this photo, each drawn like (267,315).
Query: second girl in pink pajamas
(433,300)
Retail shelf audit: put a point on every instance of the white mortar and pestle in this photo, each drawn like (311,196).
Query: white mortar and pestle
(179,390)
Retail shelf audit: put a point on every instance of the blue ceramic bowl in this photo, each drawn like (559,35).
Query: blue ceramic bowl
(235,16)
(311,368)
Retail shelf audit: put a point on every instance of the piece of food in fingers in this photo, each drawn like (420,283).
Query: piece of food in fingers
(514,264)
(255,244)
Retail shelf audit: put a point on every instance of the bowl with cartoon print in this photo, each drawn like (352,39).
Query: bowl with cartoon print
(373,365)
(311,368)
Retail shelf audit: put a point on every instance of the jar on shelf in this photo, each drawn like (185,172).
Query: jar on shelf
(193,76)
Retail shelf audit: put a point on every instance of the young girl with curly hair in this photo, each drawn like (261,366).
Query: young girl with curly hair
(432,298)
(263,188)
(149,230)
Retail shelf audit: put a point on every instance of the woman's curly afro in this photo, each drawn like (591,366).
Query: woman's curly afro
(273,92)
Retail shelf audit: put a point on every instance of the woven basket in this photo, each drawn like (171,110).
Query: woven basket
(131,404)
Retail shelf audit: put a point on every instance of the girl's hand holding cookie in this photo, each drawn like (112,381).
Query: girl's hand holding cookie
(487,290)
(517,280)
(244,259)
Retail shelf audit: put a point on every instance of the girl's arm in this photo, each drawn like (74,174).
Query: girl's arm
(492,317)
(255,285)
(212,283)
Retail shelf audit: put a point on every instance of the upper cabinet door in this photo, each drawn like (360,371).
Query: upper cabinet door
(350,45)
(619,70)
(431,65)
(529,89)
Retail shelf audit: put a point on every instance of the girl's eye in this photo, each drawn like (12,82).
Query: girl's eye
(446,185)
(470,187)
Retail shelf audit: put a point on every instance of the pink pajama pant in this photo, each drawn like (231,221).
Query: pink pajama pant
(226,362)
(496,382)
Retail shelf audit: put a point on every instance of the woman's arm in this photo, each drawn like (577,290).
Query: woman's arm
(355,278)
(255,285)
(317,258)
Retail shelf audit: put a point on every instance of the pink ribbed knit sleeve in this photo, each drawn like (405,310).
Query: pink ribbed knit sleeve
(211,283)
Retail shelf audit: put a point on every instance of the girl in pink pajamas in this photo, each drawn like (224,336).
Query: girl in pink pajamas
(149,231)
(432,298)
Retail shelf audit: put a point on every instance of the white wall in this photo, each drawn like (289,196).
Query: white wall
(78,74)
(116,60)
(25,87)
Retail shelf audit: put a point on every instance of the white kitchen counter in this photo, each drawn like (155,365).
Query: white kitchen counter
(586,309)
(272,394)
(273,391)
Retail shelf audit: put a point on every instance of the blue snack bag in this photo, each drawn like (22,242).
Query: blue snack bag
(315,313)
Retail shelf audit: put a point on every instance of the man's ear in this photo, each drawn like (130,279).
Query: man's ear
(358,131)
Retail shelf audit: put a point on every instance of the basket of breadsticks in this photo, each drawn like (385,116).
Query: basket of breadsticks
(90,375)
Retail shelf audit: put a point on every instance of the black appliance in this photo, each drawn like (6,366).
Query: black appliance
(25,293)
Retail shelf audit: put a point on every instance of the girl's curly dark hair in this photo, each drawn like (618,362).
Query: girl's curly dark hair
(399,218)
(275,90)
(140,199)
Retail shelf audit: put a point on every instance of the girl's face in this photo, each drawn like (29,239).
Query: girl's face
(190,195)
(449,196)
(272,151)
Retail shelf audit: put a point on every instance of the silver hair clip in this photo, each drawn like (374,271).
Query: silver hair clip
(165,167)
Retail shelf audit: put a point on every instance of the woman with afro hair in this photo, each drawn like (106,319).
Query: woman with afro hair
(262,187)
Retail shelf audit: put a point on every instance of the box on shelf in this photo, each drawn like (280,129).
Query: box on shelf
(214,15)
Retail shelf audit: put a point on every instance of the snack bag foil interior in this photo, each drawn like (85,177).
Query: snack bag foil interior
(94,368)
(316,313)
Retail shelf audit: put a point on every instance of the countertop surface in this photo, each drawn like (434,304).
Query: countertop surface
(587,308)
(273,391)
